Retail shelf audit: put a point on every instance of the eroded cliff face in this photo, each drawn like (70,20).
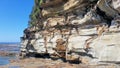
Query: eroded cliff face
(67,28)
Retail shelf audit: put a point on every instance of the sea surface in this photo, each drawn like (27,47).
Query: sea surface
(8,47)
(4,60)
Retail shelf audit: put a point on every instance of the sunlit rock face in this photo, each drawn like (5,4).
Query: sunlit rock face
(74,22)
(116,5)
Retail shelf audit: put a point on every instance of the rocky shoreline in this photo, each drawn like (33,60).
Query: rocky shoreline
(6,53)
(48,63)
(83,31)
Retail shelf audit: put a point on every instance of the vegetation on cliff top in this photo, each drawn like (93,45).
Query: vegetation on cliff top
(35,15)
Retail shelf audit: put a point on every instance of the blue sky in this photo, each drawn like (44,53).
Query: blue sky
(14,16)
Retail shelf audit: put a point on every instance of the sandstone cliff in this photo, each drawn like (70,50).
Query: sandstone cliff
(67,29)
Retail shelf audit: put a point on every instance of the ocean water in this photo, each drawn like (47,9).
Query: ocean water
(8,47)
(4,60)
(11,47)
